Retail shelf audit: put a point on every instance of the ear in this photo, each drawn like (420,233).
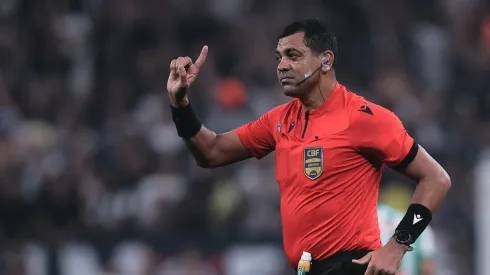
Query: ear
(327,61)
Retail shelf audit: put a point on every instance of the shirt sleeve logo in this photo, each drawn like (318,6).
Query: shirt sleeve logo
(365,109)
(313,162)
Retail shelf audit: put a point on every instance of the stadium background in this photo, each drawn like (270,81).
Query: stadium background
(93,178)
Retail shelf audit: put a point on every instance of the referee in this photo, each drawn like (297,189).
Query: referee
(331,146)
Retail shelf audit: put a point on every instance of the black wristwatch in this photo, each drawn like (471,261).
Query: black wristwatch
(404,237)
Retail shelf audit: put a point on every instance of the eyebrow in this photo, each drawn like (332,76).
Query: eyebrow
(287,50)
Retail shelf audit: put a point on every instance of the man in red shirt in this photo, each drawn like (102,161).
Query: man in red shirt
(331,146)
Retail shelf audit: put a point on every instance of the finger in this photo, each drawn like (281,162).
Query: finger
(188,62)
(173,66)
(183,76)
(185,62)
(363,260)
(370,270)
(202,57)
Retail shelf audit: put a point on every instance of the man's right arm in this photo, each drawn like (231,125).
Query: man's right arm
(211,150)
(214,150)
(208,148)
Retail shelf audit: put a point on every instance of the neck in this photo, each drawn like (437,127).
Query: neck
(315,98)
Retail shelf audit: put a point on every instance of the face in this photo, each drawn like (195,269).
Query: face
(294,60)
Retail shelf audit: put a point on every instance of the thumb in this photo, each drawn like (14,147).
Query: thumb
(183,76)
(363,260)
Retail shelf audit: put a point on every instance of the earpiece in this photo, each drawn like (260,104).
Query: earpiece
(325,61)
(325,64)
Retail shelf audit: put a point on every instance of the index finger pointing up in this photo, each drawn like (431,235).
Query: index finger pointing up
(202,57)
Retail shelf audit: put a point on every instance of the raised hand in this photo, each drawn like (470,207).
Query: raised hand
(182,74)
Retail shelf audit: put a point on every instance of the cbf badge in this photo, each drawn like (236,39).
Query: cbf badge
(313,162)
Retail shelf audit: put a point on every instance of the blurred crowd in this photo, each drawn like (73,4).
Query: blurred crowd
(94,179)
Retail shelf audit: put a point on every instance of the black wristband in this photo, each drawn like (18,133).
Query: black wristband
(186,121)
(415,221)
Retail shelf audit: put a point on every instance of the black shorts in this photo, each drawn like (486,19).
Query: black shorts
(340,264)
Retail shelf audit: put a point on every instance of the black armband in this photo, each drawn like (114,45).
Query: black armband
(186,121)
(409,157)
(413,224)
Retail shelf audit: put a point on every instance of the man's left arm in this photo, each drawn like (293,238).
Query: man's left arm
(386,139)
(380,134)
(433,184)
(433,181)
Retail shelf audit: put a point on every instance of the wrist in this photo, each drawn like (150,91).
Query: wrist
(413,224)
(179,103)
(186,120)
(401,247)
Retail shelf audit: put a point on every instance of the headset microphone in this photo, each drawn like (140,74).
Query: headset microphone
(325,62)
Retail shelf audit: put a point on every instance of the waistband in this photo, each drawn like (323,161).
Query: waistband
(338,262)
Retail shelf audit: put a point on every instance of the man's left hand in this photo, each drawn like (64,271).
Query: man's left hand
(384,261)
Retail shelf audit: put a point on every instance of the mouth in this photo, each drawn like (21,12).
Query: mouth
(286,80)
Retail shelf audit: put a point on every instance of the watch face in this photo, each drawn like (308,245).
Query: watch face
(403,236)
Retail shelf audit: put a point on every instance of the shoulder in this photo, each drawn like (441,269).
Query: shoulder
(271,118)
(280,110)
(362,112)
(282,114)
(368,117)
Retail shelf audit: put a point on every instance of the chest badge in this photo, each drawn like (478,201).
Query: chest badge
(313,162)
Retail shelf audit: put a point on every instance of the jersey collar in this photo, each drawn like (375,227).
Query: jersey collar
(332,102)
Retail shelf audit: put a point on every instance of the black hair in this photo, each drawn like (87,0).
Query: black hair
(317,35)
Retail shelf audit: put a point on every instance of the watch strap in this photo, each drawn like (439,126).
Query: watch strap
(408,242)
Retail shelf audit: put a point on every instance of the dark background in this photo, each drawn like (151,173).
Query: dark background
(94,180)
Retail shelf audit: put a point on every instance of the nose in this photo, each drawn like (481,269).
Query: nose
(283,65)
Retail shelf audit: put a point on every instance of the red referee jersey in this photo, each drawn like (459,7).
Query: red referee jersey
(328,166)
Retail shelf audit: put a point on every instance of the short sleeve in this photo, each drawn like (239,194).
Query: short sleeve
(379,133)
(256,136)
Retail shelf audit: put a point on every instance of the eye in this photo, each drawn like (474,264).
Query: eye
(294,57)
